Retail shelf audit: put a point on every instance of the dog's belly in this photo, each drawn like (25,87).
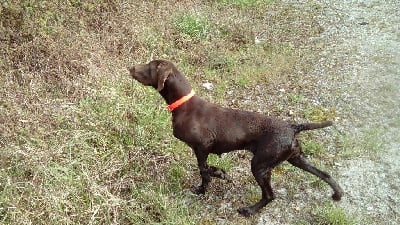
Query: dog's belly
(221,148)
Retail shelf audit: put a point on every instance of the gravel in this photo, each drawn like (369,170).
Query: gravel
(359,70)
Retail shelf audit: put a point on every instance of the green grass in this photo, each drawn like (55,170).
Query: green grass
(192,26)
(296,98)
(333,215)
(319,113)
(225,162)
(367,143)
(329,214)
(311,147)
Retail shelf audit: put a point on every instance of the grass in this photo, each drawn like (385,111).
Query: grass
(368,143)
(311,147)
(192,26)
(225,162)
(319,113)
(333,215)
(81,143)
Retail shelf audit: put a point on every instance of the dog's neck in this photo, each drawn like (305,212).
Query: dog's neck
(175,87)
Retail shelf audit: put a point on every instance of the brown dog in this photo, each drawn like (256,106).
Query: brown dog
(208,128)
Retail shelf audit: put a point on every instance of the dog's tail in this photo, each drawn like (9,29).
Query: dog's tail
(310,126)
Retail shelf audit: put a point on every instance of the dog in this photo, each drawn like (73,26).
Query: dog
(209,128)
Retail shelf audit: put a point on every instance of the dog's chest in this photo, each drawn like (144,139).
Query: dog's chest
(192,131)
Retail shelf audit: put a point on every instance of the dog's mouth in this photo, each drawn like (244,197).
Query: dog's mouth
(135,74)
(136,70)
(132,72)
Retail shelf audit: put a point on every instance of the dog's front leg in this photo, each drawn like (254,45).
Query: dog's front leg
(204,171)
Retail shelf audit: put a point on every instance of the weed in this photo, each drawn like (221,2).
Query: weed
(295,97)
(192,26)
(312,147)
(176,174)
(319,113)
(243,81)
(225,162)
(333,215)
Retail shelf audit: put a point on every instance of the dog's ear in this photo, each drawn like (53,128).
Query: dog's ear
(164,70)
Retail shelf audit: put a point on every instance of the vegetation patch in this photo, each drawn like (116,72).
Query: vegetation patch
(368,143)
(319,113)
(192,26)
(225,162)
(333,215)
(312,147)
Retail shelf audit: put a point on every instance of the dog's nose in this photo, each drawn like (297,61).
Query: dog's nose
(132,70)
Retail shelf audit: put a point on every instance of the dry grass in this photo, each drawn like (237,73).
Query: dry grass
(83,144)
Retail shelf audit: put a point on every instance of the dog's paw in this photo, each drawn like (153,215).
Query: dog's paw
(246,211)
(228,178)
(219,173)
(198,190)
(337,196)
(222,175)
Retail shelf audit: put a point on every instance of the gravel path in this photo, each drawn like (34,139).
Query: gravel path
(369,39)
(360,64)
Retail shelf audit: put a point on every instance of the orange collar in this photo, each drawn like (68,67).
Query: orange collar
(180,101)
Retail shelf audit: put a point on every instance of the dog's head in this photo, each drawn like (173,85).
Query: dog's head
(154,73)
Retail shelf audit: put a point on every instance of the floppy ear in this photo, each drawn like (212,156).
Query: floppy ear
(163,72)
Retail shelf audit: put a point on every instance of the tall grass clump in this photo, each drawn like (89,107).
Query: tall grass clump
(192,25)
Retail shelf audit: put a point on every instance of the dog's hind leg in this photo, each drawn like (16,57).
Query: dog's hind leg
(262,174)
(301,162)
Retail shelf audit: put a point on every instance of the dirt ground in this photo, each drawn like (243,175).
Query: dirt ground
(360,66)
